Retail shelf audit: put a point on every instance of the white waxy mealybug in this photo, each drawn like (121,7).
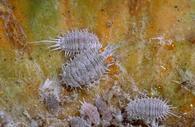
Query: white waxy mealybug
(90,112)
(50,94)
(87,68)
(148,109)
(117,114)
(104,109)
(6,120)
(78,122)
(74,42)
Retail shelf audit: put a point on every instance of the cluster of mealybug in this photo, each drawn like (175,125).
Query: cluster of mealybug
(148,109)
(100,114)
(89,64)
(87,67)
(89,115)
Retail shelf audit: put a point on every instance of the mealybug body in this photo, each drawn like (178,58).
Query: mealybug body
(104,109)
(50,94)
(6,120)
(74,42)
(148,109)
(90,112)
(86,68)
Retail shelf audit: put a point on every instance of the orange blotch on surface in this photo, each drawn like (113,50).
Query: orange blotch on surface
(109,60)
(135,6)
(114,70)
(101,26)
(169,46)
(33,88)
(166,17)
(101,50)
(13,29)
(187,107)
(65,91)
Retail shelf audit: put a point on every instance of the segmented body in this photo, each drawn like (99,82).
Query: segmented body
(50,94)
(104,109)
(6,120)
(148,109)
(75,42)
(86,68)
(90,112)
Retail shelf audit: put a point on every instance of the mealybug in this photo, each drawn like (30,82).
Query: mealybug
(50,94)
(104,109)
(90,112)
(74,42)
(87,68)
(148,109)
